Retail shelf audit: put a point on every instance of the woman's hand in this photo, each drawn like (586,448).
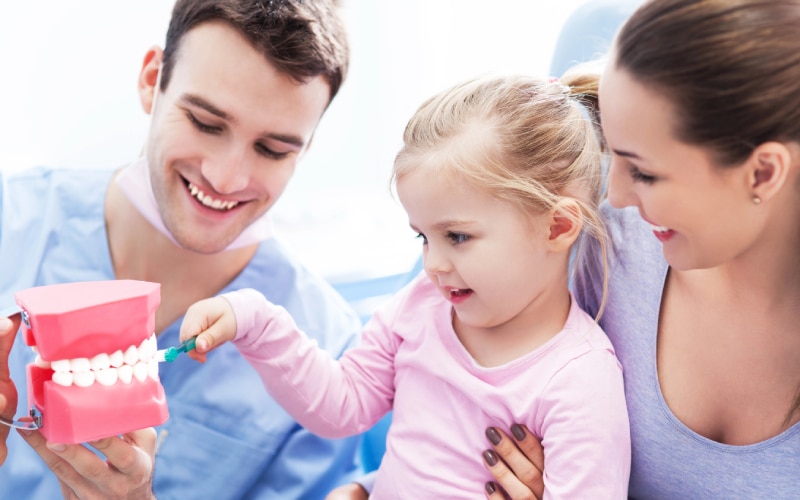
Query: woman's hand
(517,464)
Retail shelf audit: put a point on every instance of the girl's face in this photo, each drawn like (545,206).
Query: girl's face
(489,258)
(702,214)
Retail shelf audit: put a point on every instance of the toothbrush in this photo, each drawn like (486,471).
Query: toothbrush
(170,354)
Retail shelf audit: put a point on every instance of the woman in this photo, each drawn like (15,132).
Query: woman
(700,108)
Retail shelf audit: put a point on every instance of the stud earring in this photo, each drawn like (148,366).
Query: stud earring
(756,199)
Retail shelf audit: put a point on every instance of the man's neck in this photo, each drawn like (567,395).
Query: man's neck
(141,252)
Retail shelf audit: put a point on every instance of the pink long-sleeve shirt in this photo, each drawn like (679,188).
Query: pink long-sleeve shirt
(568,392)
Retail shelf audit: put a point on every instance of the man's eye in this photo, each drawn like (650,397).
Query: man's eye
(265,151)
(202,127)
(457,238)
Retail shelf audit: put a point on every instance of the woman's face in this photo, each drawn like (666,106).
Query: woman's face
(703,215)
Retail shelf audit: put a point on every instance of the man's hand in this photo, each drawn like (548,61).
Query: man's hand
(8,392)
(126,472)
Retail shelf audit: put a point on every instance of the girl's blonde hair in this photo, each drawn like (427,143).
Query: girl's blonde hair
(524,140)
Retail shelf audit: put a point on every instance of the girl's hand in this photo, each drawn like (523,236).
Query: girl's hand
(212,321)
(517,464)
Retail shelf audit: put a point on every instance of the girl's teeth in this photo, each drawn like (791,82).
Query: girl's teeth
(660,229)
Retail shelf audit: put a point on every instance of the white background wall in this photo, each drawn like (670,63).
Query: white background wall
(68,72)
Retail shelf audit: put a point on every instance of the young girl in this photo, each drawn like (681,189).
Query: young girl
(499,177)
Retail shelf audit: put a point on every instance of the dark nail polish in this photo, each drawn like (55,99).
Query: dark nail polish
(493,435)
(518,432)
(490,488)
(490,458)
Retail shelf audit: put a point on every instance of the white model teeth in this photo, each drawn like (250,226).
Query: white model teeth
(106,369)
(100,362)
(209,201)
(660,229)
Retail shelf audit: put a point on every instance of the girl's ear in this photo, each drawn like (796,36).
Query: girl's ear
(768,168)
(566,223)
(149,78)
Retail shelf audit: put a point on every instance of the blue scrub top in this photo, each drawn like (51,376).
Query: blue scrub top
(225,438)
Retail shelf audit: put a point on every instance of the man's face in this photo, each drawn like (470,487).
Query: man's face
(226,136)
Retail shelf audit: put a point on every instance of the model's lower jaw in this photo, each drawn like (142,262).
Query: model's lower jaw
(73,414)
(83,399)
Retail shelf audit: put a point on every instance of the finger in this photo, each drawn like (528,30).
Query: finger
(493,491)
(211,321)
(351,491)
(201,357)
(515,472)
(132,454)
(8,391)
(505,478)
(49,454)
(528,445)
(8,329)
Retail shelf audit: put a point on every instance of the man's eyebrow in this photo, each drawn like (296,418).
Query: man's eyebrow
(200,102)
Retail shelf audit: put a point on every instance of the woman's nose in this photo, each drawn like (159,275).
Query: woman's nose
(620,185)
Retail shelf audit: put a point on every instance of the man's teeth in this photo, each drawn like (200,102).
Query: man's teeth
(106,369)
(209,201)
(660,229)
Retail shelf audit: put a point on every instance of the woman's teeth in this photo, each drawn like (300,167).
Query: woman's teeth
(209,201)
(660,229)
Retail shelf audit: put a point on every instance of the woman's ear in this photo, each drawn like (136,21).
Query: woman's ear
(566,223)
(768,168)
(149,78)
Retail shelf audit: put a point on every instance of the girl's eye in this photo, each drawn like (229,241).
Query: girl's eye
(265,151)
(423,238)
(457,238)
(203,127)
(639,176)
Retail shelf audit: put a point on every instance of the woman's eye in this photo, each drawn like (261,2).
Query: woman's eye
(639,176)
(423,238)
(457,238)
(203,127)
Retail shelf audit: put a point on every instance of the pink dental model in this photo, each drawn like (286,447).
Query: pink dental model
(96,373)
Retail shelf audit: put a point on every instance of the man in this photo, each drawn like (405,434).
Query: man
(235,97)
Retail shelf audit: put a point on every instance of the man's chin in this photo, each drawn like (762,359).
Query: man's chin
(207,244)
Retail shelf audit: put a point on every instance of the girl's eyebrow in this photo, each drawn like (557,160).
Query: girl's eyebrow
(452,224)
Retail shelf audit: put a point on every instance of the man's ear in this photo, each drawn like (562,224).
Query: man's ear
(566,223)
(767,169)
(149,78)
